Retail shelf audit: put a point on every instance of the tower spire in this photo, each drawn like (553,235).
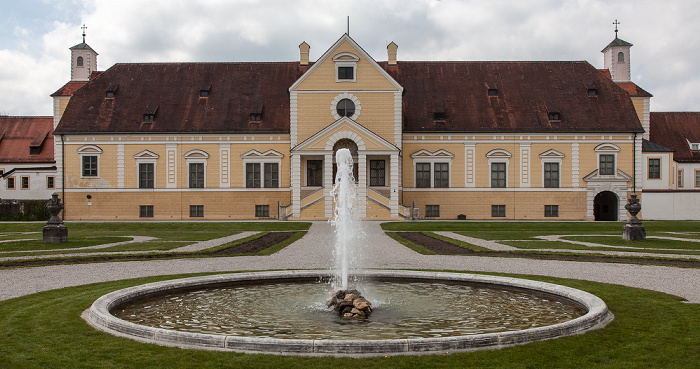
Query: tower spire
(616,23)
(84,28)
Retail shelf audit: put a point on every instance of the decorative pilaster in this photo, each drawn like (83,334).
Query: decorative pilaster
(394,185)
(362,184)
(224,155)
(328,183)
(120,166)
(295,162)
(171,155)
(469,149)
(575,167)
(525,165)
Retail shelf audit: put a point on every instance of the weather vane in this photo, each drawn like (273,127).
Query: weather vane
(616,23)
(83,28)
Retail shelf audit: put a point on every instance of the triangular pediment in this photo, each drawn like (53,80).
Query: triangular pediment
(345,128)
(322,74)
(427,154)
(551,154)
(146,154)
(257,154)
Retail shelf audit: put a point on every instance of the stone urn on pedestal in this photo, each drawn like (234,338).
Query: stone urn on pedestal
(633,229)
(55,231)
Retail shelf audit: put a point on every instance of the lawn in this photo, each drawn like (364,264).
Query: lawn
(167,235)
(650,330)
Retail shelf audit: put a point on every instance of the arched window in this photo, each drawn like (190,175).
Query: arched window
(79,62)
(620,57)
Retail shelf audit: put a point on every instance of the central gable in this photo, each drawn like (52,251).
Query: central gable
(345,129)
(363,72)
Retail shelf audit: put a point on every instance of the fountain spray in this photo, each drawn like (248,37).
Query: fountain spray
(345,196)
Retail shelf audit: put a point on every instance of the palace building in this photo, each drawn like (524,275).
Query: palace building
(432,140)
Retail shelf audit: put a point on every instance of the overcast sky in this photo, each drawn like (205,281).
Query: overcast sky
(35,36)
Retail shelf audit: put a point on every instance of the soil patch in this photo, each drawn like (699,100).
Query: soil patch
(447,248)
(256,245)
(250,247)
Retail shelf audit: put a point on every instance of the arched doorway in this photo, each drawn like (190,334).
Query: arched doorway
(605,206)
(349,144)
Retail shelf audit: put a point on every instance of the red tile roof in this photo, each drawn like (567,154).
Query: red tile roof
(633,89)
(17,134)
(675,130)
(527,92)
(236,89)
(69,88)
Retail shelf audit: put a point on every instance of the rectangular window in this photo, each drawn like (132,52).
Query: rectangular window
(146,211)
(551,175)
(423,175)
(255,117)
(498,211)
(654,168)
(196,211)
(607,165)
(89,166)
(146,175)
(680,178)
(33,150)
(10,183)
(432,211)
(50,182)
(498,175)
(24,182)
(262,211)
(314,172)
(377,173)
(346,72)
(272,175)
(442,175)
(252,175)
(196,176)
(697,178)
(551,210)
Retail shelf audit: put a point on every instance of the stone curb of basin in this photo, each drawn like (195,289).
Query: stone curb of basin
(99,316)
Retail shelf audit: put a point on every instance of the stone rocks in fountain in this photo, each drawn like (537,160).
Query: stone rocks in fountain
(350,304)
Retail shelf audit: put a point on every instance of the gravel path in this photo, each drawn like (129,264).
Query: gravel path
(315,251)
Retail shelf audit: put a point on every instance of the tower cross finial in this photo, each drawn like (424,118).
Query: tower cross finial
(616,23)
(83,28)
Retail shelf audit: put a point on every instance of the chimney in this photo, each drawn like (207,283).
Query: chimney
(391,50)
(304,54)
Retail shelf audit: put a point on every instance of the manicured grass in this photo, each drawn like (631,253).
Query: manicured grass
(650,330)
(522,234)
(168,235)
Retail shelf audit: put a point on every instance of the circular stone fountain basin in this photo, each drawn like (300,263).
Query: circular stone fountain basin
(101,316)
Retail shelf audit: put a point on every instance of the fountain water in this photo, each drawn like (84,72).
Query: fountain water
(345,217)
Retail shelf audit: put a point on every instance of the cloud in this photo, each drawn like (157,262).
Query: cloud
(664,58)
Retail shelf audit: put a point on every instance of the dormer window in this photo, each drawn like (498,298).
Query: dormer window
(34,150)
(592,92)
(204,90)
(111,90)
(439,117)
(255,117)
(491,89)
(553,113)
(149,116)
(695,146)
(256,112)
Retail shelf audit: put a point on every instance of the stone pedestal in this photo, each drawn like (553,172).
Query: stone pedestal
(633,229)
(55,231)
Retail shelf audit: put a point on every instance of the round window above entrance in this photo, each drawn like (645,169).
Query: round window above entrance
(345,108)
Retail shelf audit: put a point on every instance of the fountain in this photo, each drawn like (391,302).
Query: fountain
(420,312)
